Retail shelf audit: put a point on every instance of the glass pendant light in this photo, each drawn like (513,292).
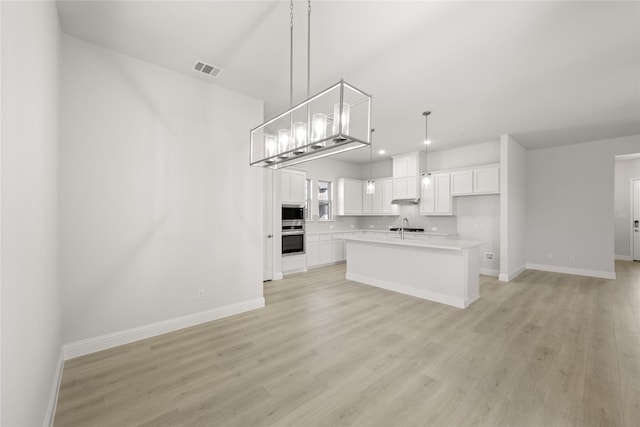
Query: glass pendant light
(311,130)
(371,184)
(426,176)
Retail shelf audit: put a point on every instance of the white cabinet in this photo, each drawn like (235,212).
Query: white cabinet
(406,165)
(292,183)
(486,180)
(480,180)
(436,198)
(406,173)
(349,197)
(387,196)
(352,197)
(461,182)
(405,188)
(324,249)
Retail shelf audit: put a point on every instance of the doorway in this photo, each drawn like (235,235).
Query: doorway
(267,227)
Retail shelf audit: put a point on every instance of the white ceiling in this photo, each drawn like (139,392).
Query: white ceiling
(548,73)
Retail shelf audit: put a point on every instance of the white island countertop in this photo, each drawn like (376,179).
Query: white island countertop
(433,243)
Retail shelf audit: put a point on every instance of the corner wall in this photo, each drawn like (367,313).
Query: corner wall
(157,200)
(570,206)
(31,308)
(513,208)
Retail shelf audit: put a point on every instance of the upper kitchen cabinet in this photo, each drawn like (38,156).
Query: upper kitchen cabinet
(477,180)
(379,203)
(436,198)
(292,184)
(349,197)
(406,175)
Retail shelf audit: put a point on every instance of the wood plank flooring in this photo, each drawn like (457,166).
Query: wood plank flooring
(543,350)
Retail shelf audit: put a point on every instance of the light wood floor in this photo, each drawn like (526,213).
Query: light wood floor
(544,350)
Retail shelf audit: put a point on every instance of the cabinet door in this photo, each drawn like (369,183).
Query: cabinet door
(387,195)
(428,199)
(486,180)
(313,254)
(405,188)
(367,199)
(326,252)
(378,198)
(461,182)
(442,185)
(352,197)
(405,165)
(285,186)
(297,182)
(338,250)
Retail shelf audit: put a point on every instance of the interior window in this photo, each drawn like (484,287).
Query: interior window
(324,200)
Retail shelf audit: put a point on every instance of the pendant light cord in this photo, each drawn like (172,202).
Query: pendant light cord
(308,47)
(291,54)
(426,138)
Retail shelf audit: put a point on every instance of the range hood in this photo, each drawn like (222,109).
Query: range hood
(405,201)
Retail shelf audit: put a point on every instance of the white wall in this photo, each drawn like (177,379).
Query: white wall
(462,157)
(570,206)
(513,207)
(31,308)
(478,218)
(157,198)
(625,171)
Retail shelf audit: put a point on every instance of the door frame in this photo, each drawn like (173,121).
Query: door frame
(631,212)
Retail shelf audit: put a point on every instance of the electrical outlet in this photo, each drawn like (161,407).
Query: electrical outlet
(434,228)
(201,293)
(489,255)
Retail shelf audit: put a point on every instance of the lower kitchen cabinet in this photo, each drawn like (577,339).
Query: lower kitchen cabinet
(324,249)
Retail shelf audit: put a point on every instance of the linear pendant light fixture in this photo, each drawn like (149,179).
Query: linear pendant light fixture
(426,176)
(332,121)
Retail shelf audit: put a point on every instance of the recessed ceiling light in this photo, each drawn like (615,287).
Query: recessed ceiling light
(381,152)
(426,142)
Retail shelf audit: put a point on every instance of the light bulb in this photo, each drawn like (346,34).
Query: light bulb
(381,152)
(426,180)
(344,119)
(283,142)
(371,187)
(319,128)
(270,145)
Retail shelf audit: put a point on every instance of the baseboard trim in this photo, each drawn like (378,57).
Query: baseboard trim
(55,389)
(408,290)
(278,276)
(103,342)
(624,258)
(488,272)
(509,277)
(576,271)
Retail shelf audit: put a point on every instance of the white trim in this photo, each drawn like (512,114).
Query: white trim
(407,290)
(569,270)
(489,272)
(55,389)
(509,277)
(624,258)
(278,276)
(103,342)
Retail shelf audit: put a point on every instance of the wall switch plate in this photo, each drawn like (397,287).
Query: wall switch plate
(489,255)
(201,293)
(434,228)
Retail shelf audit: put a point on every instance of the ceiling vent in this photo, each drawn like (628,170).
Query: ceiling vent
(208,69)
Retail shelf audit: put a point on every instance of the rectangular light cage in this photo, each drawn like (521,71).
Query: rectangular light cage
(335,120)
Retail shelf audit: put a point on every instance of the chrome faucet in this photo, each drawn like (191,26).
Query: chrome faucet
(402,227)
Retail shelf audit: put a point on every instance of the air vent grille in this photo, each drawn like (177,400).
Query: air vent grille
(208,69)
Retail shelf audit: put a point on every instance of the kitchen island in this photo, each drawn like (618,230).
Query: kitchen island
(440,270)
